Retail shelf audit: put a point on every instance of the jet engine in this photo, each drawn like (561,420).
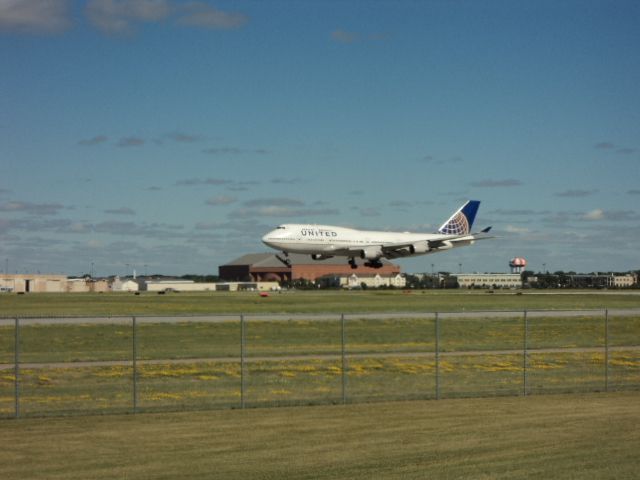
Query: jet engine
(446,245)
(420,247)
(371,253)
(319,256)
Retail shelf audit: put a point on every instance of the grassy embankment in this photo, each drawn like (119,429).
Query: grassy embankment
(116,304)
(559,437)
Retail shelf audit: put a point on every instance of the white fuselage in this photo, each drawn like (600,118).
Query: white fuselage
(340,241)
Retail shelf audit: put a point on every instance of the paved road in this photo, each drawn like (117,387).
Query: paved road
(321,317)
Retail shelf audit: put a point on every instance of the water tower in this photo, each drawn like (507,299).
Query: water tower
(517,264)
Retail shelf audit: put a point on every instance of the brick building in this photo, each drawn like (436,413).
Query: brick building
(264,267)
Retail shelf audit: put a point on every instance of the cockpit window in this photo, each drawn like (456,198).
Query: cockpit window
(280,228)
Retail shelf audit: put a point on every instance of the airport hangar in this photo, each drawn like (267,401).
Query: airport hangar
(261,267)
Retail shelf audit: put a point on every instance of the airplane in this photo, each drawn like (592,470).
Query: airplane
(326,241)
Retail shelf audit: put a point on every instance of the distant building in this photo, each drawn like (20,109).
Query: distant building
(373,281)
(593,280)
(257,267)
(601,281)
(42,283)
(175,285)
(625,281)
(191,286)
(489,280)
(84,285)
(26,283)
(124,285)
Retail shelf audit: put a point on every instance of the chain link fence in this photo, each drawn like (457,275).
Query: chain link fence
(62,366)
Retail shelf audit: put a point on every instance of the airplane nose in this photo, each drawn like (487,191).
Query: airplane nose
(264,238)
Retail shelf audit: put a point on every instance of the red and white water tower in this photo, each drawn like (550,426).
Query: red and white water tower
(517,264)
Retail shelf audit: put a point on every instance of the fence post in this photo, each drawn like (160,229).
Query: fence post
(606,350)
(524,355)
(437,356)
(242,361)
(134,353)
(344,360)
(16,372)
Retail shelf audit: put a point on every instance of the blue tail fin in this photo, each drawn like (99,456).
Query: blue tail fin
(461,222)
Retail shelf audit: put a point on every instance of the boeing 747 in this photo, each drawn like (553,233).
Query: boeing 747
(326,241)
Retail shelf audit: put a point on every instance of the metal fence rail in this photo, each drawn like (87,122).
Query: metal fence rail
(65,366)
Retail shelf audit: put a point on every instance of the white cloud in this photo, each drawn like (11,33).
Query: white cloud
(200,14)
(193,182)
(282,211)
(93,243)
(118,16)
(221,200)
(491,183)
(34,16)
(131,142)
(121,211)
(97,140)
(369,212)
(274,202)
(576,193)
(31,208)
(597,214)
(182,137)
(515,229)
(342,36)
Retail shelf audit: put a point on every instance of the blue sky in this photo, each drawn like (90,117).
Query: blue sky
(170,136)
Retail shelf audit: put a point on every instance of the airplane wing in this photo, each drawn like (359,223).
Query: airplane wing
(405,249)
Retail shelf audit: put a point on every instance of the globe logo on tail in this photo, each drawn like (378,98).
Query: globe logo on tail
(458,225)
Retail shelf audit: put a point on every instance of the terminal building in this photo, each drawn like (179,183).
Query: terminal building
(260,267)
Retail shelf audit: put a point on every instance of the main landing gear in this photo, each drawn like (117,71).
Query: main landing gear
(373,264)
(284,260)
(370,263)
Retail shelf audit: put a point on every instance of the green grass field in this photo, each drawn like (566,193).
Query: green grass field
(115,304)
(68,342)
(197,364)
(297,362)
(560,437)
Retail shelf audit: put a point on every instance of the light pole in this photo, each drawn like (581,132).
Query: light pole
(433,276)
